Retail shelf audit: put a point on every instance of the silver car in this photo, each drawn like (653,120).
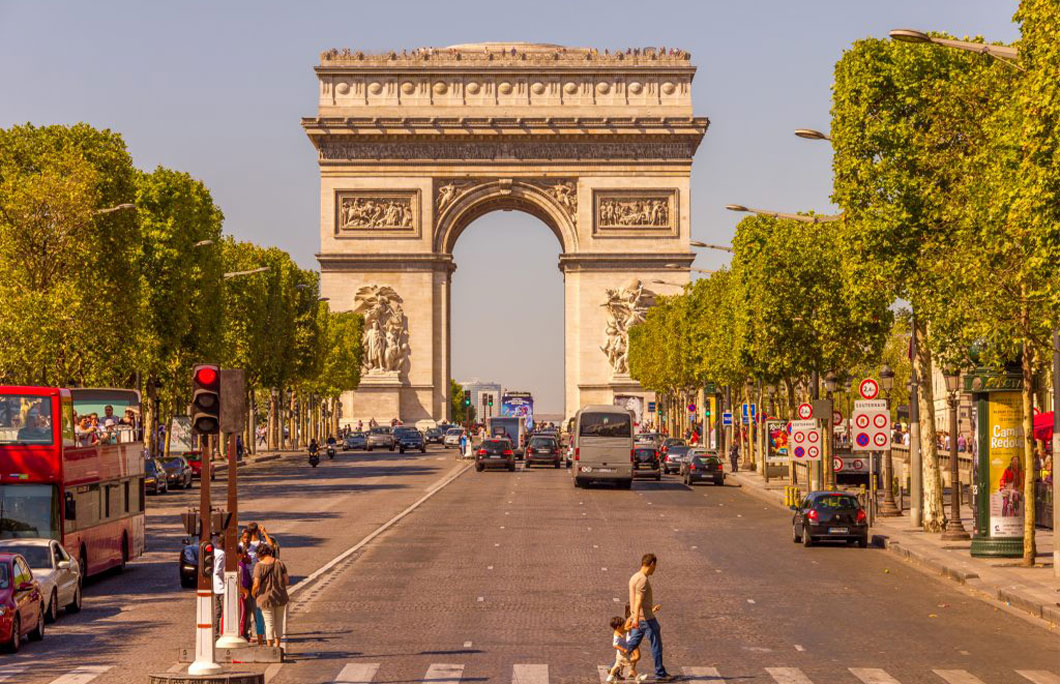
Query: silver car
(452,437)
(380,437)
(58,574)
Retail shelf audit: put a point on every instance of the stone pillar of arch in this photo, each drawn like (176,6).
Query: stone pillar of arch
(414,147)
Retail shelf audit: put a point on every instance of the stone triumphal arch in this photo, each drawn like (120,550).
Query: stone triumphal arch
(413,147)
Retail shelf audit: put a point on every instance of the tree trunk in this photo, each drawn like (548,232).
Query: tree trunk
(251,440)
(292,420)
(1030,550)
(271,428)
(934,516)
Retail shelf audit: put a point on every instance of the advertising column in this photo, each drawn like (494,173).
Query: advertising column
(999,477)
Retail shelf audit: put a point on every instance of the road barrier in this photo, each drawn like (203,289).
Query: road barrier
(792,495)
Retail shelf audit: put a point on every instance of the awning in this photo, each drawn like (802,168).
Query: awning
(1043,425)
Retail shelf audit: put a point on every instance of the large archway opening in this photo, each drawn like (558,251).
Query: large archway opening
(507,308)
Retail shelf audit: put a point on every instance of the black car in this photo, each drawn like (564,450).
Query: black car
(409,438)
(354,440)
(829,515)
(155,480)
(495,453)
(673,456)
(702,467)
(178,472)
(646,463)
(189,565)
(543,449)
(434,435)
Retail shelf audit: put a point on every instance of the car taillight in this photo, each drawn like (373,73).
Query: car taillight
(861,515)
(692,467)
(509,452)
(531,450)
(577,453)
(482,452)
(632,456)
(812,515)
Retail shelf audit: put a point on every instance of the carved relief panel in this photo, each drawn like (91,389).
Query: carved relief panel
(633,213)
(377,213)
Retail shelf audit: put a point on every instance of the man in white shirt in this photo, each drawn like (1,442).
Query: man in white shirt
(218,585)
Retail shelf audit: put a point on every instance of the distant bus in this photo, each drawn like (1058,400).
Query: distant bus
(514,428)
(88,494)
(603,446)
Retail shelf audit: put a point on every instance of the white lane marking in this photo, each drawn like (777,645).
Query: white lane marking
(596,546)
(787,675)
(481,598)
(705,673)
(502,527)
(467,644)
(497,544)
(603,569)
(439,672)
(271,671)
(529,674)
(489,567)
(800,648)
(695,547)
(357,673)
(306,581)
(751,601)
(958,676)
(615,599)
(1039,676)
(81,675)
(873,675)
(12,672)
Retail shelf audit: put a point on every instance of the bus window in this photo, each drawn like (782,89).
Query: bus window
(67,408)
(106,502)
(25,419)
(29,510)
(126,497)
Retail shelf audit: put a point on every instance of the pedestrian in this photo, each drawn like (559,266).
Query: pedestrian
(734,457)
(270,591)
(218,585)
(642,615)
(623,657)
(246,601)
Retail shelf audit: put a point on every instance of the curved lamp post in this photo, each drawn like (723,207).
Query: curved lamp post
(954,527)
(888,509)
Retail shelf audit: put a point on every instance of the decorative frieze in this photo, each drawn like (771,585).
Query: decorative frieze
(360,212)
(333,150)
(628,212)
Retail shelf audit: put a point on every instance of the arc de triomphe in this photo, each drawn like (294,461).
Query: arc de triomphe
(414,147)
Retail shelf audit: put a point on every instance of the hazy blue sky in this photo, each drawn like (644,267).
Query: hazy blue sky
(217,89)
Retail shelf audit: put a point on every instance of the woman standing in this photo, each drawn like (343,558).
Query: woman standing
(270,591)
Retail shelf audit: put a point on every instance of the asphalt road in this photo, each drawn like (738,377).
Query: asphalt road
(512,577)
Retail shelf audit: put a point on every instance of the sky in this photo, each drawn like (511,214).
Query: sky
(217,89)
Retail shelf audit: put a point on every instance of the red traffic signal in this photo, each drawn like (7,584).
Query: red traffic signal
(206,376)
(205,399)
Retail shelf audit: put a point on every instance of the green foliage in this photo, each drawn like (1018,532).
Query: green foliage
(460,412)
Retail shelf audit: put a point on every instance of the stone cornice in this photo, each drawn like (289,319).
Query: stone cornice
(438,125)
(608,261)
(334,262)
(521,56)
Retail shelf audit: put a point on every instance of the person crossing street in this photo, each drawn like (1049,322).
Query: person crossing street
(642,616)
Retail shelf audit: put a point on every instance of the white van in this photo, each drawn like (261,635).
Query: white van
(603,446)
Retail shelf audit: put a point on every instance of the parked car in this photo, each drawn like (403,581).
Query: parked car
(380,437)
(21,602)
(646,463)
(58,574)
(452,437)
(702,467)
(673,457)
(543,449)
(189,564)
(829,515)
(194,459)
(155,480)
(670,442)
(178,472)
(355,440)
(646,438)
(434,435)
(409,438)
(495,453)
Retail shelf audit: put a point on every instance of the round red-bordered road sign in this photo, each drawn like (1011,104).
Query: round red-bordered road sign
(862,421)
(880,420)
(862,439)
(800,437)
(813,452)
(880,439)
(869,388)
(813,436)
(805,411)
(799,452)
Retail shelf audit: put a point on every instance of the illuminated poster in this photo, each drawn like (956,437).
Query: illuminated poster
(632,402)
(1006,464)
(519,405)
(778,441)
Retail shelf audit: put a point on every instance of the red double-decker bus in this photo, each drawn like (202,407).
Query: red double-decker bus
(83,487)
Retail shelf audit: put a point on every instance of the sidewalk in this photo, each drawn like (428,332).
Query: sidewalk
(264,456)
(1034,590)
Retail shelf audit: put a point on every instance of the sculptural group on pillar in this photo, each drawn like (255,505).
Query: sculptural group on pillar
(626,307)
(384,340)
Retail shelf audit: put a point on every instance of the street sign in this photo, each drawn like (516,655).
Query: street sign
(651,407)
(870,389)
(837,418)
(872,426)
(805,440)
(753,413)
(726,418)
(691,408)
(805,411)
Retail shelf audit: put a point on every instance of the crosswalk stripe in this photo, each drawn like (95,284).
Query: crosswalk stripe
(529,674)
(11,673)
(787,675)
(440,672)
(704,673)
(1039,676)
(958,677)
(357,673)
(873,675)
(81,675)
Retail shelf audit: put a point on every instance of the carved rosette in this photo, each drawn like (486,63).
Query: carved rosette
(385,338)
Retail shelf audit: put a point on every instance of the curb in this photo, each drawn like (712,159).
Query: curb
(1014,595)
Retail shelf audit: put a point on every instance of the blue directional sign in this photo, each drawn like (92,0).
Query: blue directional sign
(726,418)
(752,409)
(651,407)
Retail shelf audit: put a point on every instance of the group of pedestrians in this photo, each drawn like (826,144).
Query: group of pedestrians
(628,632)
(263,580)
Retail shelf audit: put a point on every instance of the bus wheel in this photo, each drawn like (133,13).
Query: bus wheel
(124,552)
(83,560)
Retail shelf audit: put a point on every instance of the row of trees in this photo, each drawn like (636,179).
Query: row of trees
(945,170)
(113,276)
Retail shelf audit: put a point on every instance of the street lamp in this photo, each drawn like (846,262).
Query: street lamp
(203,243)
(236,274)
(889,509)
(831,382)
(816,218)
(811,134)
(748,457)
(999,52)
(707,245)
(666,282)
(954,527)
(111,210)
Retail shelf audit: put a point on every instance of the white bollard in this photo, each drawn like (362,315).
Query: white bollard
(230,637)
(205,656)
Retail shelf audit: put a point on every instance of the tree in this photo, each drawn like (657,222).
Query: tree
(69,281)
(461,412)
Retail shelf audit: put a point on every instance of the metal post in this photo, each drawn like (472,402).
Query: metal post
(230,636)
(205,658)
(827,469)
(888,509)
(1056,452)
(954,527)
(916,473)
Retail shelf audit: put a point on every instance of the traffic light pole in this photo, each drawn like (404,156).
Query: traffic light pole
(205,657)
(230,637)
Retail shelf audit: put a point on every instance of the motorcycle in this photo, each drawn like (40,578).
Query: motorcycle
(331,452)
(314,459)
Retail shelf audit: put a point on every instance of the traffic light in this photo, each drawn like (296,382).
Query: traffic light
(467,399)
(205,399)
(206,555)
(491,400)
